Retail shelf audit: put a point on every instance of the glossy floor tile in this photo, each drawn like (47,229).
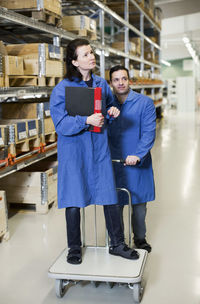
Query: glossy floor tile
(172,272)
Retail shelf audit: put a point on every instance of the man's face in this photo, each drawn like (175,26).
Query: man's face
(120,82)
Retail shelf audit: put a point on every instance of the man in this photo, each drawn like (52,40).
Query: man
(131,137)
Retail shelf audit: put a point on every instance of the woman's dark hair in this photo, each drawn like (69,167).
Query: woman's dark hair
(118,68)
(72,71)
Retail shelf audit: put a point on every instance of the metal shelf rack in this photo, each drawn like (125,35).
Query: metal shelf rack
(8,17)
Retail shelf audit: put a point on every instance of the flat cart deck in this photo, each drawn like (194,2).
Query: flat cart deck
(99,266)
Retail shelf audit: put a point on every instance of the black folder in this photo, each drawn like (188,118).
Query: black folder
(83,101)
(79,101)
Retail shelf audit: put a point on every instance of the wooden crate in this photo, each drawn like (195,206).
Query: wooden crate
(53,68)
(53,6)
(35,186)
(137,42)
(13,65)
(4,145)
(1,81)
(39,59)
(4,234)
(23,135)
(80,24)
(32,50)
(28,111)
(3,136)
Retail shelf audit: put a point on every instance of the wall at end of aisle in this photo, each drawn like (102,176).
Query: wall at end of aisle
(175,70)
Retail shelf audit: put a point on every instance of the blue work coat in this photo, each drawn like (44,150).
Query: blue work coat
(85,173)
(133,133)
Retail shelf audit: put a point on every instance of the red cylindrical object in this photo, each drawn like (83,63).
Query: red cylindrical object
(97,105)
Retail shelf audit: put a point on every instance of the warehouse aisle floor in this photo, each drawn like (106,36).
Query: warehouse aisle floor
(172,272)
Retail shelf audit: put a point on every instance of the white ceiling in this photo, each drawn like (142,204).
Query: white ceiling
(180,18)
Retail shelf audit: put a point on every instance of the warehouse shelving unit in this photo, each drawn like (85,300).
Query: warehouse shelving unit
(48,33)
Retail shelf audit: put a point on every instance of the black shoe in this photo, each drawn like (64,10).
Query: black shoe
(74,256)
(142,244)
(124,251)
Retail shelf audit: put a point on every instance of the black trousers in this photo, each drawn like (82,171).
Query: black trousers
(113,221)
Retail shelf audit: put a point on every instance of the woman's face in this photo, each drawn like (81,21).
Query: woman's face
(85,58)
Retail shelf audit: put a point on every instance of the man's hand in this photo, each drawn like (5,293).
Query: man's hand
(96,120)
(131,160)
(114,112)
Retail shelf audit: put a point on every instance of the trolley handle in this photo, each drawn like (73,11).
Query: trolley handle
(119,161)
(122,161)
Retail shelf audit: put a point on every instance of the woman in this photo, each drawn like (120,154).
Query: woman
(85,174)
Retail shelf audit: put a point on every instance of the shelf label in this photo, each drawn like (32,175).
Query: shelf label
(32,132)
(22,135)
(20,166)
(47,112)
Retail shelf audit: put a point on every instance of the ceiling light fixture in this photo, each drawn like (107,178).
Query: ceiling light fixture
(167,63)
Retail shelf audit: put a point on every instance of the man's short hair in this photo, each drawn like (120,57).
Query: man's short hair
(118,68)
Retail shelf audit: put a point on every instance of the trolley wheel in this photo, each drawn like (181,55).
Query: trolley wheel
(110,284)
(137,292)
(59,288)
(95,283)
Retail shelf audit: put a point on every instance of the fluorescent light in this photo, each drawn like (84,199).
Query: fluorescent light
(186,40)
(191,50)
(167,63)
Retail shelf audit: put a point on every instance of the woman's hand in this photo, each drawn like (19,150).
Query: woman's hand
(114,112)
(96,120)
(132,160)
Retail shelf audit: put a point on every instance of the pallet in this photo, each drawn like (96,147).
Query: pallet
(49,138)
(53,6)
(34,188)
(42,15)
(4,234)
(31,208)
(47,17)
(26,145)
(23,81)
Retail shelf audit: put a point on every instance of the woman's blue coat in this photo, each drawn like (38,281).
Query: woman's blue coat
(133,133)
(85,173)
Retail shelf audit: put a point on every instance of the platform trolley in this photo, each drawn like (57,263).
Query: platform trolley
(100,266)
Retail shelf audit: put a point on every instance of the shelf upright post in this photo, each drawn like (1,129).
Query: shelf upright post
(56,41)
(112,29)
(126,33)
(142,46)
(102,55)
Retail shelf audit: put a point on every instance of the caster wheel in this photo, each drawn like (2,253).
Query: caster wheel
(137,292)
(59,288)
(95,283)
(110,284)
